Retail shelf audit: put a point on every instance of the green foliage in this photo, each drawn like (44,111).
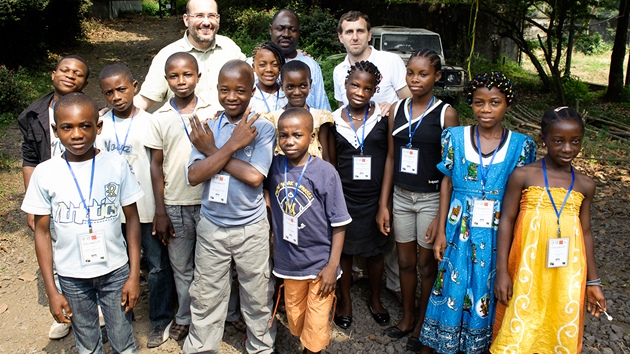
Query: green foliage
(328,66)
(576,89)
(251,28)
(151,8)
(592,44)
(18,88)
(523,80)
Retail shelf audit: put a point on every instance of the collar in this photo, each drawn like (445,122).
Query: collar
(166,107)
(370,58)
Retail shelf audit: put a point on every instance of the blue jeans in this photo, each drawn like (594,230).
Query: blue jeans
(160,278)
(81,295)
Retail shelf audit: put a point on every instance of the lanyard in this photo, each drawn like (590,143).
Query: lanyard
(412,133)
(87,209)
(180,115)
(120,148)
(218,140)
(265,100)
(483,170)
(544,168)
(286,187)
(362,141)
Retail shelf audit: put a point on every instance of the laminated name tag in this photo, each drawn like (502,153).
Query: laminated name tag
(409,160)
(290,227)
(361,167)
(93,248)
(483,212)
(218,190)
(558,252)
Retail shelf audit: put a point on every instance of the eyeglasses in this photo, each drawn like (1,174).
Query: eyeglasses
(201,17)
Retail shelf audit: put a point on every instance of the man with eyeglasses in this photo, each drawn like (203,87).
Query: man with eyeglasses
(202,41)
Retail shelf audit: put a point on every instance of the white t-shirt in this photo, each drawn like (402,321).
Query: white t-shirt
(126,137)
(263,102)
(56,148)
(391,67)
(52,191)
(167,133)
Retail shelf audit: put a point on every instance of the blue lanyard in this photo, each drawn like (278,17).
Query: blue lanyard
(265,100)
(286,186)
(483,170)
(362,141)
(412,133)
(544,168)
(180,115)
(218,140)
(120,148)
(87,208)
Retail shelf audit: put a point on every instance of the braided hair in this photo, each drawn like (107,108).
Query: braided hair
(367,67)
(554,115)
(273,48)
(431,55)
(489,80)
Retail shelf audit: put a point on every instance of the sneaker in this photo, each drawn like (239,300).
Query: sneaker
(158,335)
(178,332)
(58,330)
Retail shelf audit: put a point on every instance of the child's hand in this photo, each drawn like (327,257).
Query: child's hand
(244,132)
(432,231)
(383,220)
(328,277)
(594,294)
(163,228)
(384,106)
(130,294)
(201,136)
(439,245)
(503,287)
(58,304)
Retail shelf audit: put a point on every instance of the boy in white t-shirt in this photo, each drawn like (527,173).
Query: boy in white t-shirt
(124,133)
(84,198)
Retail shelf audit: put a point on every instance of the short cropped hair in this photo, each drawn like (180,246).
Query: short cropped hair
(116,69)
(182,55)
(76,99)
(75,57)
(352,16)
(298,112)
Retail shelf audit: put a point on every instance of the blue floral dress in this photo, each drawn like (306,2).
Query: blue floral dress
(461,306)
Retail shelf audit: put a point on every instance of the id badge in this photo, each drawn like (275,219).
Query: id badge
(361,168)
(483,212)
(409,160)
(290,228)
(558,252)
(218,190)
(93,248)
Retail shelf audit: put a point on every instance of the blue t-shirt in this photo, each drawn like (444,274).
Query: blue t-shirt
(319,206)
(245,204)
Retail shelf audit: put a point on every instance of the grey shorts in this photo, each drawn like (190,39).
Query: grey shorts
(413,212)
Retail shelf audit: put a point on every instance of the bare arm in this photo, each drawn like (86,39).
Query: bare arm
(328,275)
(27,172)
(131,288)
(594,293)
(383,216)
(404,93)
(142,102)
(446,189)
(324,131)
(162,225)
(43,248)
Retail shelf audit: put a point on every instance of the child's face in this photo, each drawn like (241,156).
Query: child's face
(489,106)
(70,76)
(235,91)
(421,76)
(294,137)
(266,67)
(182,77)
(296,86)
(564,141)
(360,87)
(77,127)
(119,92)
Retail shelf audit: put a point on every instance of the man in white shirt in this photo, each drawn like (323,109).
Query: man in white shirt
(354,32)
(202,41)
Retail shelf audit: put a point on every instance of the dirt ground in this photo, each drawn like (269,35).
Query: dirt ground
(24,315)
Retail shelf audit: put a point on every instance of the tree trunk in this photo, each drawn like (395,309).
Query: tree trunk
(615,75)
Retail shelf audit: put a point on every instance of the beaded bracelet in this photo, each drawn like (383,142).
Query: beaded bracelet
(594,282)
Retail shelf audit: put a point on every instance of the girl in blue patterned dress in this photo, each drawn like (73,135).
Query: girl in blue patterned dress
(476,162)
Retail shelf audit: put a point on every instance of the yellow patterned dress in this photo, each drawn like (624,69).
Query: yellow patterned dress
(546,313)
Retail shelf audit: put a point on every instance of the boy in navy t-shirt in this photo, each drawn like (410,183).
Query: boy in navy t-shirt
(309,215)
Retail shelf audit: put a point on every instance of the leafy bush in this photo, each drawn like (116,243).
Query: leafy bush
(14,94)
(523,80)
(576,89)
(592,44)
(328,66)
(151,8)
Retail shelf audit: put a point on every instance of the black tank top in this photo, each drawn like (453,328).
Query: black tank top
(427,139)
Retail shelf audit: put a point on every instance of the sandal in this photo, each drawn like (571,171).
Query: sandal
(239,325)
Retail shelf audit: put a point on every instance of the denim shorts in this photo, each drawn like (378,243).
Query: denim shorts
(413,212)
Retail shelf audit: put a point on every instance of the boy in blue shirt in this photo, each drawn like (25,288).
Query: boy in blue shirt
(231,157)
(309,215)
(91,256)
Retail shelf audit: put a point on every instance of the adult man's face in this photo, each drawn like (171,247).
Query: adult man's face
(202,21)
(355,36)
(285,32)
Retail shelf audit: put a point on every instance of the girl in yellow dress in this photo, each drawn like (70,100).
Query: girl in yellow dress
(545,265)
